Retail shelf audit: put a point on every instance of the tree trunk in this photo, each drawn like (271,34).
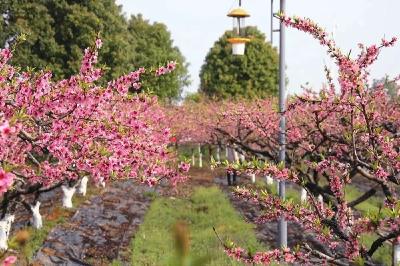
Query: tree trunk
(396,254)
(269,179)
(83,186)
(5,227)
(193,158)
(200,157)
(321,201)
(218,154)
(37,221)
(101,182)
(67,197)
(253,178)
(235,156)
(303,195)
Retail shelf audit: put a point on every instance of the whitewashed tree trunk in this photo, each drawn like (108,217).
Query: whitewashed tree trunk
(5,227)
(396,254)
(200,160)
(253,178)
(101,182)
(200,157)
(269,180)
(303,195)
(82,188)
(37,221)
(235,155)
(242,158)
(67,197)
(226,152)
(321,201)
(218,155)
(193,158)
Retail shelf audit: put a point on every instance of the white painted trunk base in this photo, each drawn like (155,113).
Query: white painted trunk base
(37,221)
(303,195)
(269,180)
(396,254)
(242,158)
(235,156)
(5,227)
(101,182)
(253,178)
(218,155)
(321,201)
(67,197)
(82,188)
(200,160)
(226,152)
(200,157)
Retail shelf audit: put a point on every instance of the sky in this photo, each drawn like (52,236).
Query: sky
(196,25)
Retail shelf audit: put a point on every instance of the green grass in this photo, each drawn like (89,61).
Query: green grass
(370,205)
(154,243)
(116,263)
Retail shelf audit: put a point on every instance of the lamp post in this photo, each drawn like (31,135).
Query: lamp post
(282,225)
(238,48)
(239,39)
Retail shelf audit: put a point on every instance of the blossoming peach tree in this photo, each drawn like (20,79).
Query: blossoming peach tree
(60,133)
(347,133)
(190,125)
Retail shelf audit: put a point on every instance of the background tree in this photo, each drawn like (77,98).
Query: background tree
(154,46)
(57,31)
(253,75)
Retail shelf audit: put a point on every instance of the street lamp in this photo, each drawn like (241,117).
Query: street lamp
(239,39)
(238,47)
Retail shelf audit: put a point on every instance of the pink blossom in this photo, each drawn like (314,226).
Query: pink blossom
(10,260)
(6,180)
(184,167)
(99,43)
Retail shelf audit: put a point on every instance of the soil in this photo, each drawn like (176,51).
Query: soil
(100,231)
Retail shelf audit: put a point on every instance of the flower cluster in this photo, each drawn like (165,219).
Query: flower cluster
(266,258)
(10,260)
(166,69)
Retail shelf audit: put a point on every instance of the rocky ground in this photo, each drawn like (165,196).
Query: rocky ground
(101,229)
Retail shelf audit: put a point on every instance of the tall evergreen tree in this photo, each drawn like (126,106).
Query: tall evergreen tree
(57,31)
(252,75)
(154,46)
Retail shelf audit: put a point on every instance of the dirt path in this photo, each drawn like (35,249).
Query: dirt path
(101,229)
